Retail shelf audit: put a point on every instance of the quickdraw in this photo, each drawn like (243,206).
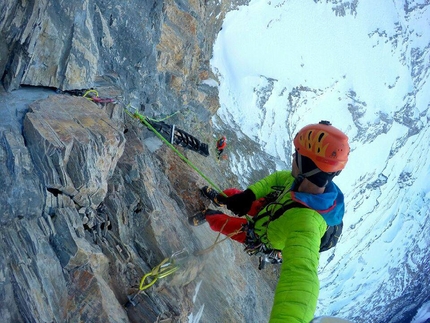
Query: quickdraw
(165,268)
(254,247)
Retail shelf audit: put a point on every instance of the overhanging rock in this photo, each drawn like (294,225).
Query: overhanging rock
(74,146)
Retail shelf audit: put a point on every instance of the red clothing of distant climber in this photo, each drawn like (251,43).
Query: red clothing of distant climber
(221,144)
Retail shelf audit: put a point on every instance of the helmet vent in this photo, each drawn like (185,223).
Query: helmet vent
(325,145)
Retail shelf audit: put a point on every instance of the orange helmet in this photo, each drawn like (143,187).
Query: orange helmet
(324,144)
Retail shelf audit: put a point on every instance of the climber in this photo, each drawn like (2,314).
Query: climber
(220,145)
(289,212)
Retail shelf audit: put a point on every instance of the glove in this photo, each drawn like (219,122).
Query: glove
(240,203)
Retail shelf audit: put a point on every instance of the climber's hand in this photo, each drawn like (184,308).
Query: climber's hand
(240,203)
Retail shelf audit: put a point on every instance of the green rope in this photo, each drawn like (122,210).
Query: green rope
(147,124)
(159,120)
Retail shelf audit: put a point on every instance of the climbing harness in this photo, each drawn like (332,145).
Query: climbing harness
(165,268)
(253,244)
(255,247)
(149,124)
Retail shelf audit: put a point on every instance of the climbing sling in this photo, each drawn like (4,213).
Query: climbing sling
(145,121)
(172,134)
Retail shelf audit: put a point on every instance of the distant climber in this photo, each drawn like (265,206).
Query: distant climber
(220,145)
(288,214)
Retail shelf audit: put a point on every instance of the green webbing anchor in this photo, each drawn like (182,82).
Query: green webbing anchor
(144,120)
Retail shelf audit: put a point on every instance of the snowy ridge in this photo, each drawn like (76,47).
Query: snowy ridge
(364,66)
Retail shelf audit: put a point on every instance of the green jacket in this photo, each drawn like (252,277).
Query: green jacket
(297,233)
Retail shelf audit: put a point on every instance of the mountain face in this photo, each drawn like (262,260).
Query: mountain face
(92,201)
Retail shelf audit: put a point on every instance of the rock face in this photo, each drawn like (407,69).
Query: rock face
(74,146)
(90,200)
(157,52)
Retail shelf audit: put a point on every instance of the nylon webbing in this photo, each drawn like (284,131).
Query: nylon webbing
(143,120)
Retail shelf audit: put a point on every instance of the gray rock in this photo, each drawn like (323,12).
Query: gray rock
(75,147)
(86,210)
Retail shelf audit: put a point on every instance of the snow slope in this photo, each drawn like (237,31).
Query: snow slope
(365,66)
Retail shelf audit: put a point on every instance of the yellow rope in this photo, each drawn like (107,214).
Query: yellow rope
(159,120)
(228,236)
(88,92)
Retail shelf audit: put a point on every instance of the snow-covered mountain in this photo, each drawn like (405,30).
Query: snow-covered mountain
(365,66)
